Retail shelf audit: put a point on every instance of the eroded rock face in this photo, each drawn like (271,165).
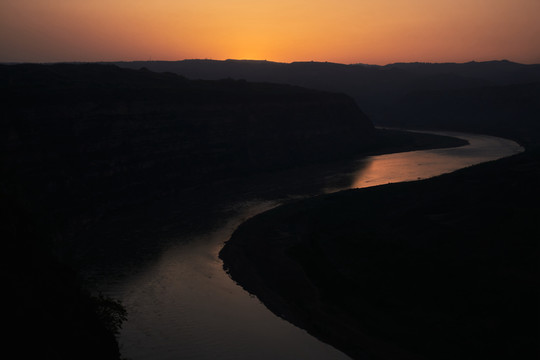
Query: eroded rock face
(93,135)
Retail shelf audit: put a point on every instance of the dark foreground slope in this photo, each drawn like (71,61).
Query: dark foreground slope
(440,269)
(445,268)
(47,312)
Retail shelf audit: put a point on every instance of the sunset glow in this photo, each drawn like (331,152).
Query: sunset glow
(346,31)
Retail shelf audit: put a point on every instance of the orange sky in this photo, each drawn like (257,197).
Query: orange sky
(345,31)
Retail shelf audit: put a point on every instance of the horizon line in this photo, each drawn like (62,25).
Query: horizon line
(261,61)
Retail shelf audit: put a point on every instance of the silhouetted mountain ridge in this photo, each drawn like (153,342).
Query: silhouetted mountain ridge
(444,268)
(96,132)
(378,90)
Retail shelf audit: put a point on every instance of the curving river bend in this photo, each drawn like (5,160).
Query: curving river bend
(181,303)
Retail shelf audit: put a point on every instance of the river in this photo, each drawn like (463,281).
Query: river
(181,303)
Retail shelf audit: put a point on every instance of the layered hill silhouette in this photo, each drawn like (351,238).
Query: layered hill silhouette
(444,268)
(86,135)
(81,144)
(385,93)
(83,139)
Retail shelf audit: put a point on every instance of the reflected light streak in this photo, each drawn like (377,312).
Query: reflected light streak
(416,165)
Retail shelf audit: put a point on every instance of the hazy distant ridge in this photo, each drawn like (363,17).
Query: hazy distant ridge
(380,91)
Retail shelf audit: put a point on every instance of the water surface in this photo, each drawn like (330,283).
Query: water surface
(181,303)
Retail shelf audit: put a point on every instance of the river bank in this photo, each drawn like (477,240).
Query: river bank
(119,237)
(177,281)
(442,268)
(98,160)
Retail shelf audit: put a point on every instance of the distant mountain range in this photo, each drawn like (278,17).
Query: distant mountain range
(380,91)
(490,72)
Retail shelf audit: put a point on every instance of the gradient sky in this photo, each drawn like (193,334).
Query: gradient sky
(345,31)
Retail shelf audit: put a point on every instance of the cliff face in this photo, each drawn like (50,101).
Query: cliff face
(90,136)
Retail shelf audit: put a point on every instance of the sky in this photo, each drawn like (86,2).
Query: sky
(343,31)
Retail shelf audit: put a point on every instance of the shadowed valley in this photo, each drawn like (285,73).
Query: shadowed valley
(89,153)
(443,268)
